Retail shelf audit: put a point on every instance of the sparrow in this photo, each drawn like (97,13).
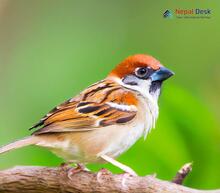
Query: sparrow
(105,119)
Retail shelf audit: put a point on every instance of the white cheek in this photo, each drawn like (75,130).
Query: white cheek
(143,86)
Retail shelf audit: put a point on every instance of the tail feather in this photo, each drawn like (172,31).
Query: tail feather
(18,144)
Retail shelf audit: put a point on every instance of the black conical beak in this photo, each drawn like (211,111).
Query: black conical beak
(161,74)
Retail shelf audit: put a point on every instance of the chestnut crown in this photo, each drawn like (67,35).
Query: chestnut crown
(129,65)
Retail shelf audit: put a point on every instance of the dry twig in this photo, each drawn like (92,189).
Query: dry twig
(31,179)
(182,173)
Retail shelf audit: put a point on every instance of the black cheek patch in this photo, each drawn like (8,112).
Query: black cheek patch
(133,83)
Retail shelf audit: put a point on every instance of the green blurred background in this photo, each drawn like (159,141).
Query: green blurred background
(50,50)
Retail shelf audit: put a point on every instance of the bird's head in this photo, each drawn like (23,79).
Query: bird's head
(142,73)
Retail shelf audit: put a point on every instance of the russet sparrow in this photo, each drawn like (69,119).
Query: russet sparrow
(105,119)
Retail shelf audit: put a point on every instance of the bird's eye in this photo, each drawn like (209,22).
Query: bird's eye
(141,72)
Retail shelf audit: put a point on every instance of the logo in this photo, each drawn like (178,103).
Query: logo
(193,13)
(167,14)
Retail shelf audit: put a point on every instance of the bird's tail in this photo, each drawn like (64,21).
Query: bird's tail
(18,144)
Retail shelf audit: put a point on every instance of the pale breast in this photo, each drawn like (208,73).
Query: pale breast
(124,138)
(126,135)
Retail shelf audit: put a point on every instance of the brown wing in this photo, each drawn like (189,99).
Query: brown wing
(90,110)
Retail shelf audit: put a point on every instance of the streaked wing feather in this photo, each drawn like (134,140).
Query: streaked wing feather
(79,115)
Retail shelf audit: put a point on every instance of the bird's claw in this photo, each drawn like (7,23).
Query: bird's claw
(75,170)
(125,176)
(102,174)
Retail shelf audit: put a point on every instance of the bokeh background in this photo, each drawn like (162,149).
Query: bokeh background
(50,50)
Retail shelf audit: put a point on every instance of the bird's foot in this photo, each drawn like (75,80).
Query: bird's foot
(102,174)
(125,176)
(79,168)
